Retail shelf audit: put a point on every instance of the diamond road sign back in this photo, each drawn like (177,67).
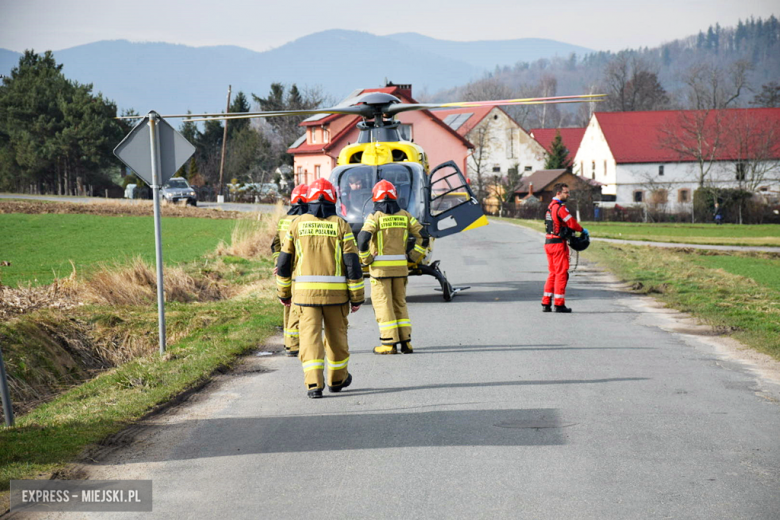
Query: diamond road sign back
(135,150)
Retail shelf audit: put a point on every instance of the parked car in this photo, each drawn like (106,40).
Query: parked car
(177,189)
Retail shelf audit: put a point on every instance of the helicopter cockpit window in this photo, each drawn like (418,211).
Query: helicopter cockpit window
(402,178)
(448,190)
(355,186)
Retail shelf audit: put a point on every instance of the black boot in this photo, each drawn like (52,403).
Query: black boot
(406,347)
(315,393)
(562,308)
(338,388)
(546,308)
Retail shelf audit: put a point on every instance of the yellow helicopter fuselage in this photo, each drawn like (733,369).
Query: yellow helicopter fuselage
(378,153)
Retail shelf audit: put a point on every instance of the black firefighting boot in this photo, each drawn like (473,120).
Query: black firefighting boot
(291,353)
(385,349)
(546,307)
(314,393)
(562,308)
(406,347)
(338,388)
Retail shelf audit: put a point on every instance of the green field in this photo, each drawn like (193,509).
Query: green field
(40,247)
(706,234)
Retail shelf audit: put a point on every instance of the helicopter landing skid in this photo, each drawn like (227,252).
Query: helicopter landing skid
(448,291)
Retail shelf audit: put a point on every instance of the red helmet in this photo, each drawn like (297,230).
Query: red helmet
(299,194)
(321,188)
(384,190)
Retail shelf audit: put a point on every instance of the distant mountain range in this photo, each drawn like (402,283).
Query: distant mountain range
(173,78)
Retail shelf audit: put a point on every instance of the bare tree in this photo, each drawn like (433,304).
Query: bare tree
(545,114)
(631,85)
(696,136)
(484,142)
(657,204)
(711,87)
(754,141)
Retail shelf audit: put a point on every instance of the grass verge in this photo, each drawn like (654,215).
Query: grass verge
(736,293)
(767,235)
(86,372)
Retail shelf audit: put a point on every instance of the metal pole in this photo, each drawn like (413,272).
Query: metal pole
(155,142)
(8,410)
(224,142)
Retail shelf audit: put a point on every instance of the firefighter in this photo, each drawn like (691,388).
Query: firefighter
(298,207)
(319,251)
(383,246)
(560,226)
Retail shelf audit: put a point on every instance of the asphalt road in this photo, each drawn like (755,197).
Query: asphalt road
(502,412)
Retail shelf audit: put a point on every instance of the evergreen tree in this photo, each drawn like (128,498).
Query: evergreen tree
(239,104)
(558,156)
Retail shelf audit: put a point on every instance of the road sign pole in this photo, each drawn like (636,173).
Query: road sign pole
(154,138)
(8,410)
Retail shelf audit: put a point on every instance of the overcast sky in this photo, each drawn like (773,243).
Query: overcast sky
(264,24)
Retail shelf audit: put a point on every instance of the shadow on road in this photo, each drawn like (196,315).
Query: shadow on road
(446,349)
(515,291)
(315,433)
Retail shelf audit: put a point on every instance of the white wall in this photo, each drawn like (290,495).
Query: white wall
(522,151)
(677,176)
(594,151)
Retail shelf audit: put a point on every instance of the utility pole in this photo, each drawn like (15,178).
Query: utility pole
(224,145)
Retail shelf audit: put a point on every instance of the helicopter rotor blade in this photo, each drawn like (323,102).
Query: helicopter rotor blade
(360,110)
(584,98)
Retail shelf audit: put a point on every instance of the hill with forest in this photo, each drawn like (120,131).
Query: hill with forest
(718,67)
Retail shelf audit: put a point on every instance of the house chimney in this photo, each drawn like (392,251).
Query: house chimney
(531,189)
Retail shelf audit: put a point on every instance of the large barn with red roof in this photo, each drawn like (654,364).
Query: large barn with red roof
(664,156)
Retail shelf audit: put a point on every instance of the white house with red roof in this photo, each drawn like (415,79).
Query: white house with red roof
(500,143)
(660,156)
(316,152)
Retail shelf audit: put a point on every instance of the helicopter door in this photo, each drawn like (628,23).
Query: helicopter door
(452,207)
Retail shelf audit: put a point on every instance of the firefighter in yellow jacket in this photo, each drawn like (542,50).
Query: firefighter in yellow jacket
(298,207)
(383,246)
(320,253)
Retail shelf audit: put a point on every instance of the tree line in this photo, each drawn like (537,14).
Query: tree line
(56,135)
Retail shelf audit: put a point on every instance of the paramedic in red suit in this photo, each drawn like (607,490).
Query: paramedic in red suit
(560,225)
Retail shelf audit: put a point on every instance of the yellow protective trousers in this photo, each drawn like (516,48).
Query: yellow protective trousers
(291,335)
(388,296)
(335,351)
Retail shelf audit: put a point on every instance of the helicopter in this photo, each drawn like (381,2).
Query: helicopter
(440,198)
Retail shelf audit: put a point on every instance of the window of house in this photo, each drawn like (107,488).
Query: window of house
(496,168)
(639,196)
(660,169)
(405,132)
(527,169)
(741,171)
(684,195)
(313,135)
(660,196)
(325,135)
(317,171)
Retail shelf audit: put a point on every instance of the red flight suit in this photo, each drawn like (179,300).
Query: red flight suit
(557,250)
